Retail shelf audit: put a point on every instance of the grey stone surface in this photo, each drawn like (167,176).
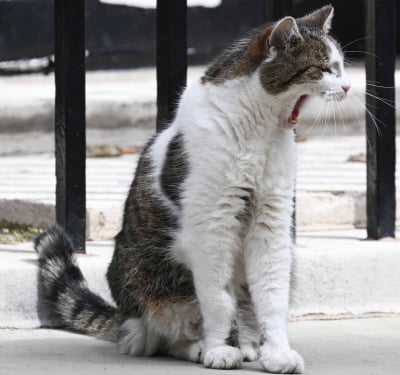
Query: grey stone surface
(19,303)
(34,142)
(342,347)
(114,99)
(336,274)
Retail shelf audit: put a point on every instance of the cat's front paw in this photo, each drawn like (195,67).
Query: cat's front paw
(280,361)
(249,353)
(223,357)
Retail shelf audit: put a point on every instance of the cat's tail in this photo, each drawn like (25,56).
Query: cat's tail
(65,291)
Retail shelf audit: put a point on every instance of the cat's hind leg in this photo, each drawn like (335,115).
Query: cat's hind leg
(136,338)
(176,321)
(166,327)
(187,350)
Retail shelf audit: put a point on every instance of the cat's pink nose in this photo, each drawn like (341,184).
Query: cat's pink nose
(346,88)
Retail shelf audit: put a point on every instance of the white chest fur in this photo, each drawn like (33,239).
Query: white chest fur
(233,138)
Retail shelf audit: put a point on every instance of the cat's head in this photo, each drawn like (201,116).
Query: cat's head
(302,60)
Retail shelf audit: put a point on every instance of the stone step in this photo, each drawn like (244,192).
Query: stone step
(336,274)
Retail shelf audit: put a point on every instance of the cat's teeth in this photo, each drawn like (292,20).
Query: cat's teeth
(292,121)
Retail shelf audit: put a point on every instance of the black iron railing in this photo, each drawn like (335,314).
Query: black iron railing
(70,127)
(381,147)
(171,57)
(171,78)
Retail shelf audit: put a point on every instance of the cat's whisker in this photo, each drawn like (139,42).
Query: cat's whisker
(324,115)
(372,83)
(314,123)
(359,120)
(389,103)
(339,107)
(322,112)
(367,53)
(327,116)
(355,41)
(334,101)
(350,61)
(334,110)
(373,118)
(369,83)
(333,114)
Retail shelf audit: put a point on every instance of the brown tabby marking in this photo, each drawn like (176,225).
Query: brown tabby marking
(301,63)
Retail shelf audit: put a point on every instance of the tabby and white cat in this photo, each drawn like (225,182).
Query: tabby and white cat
(202,265)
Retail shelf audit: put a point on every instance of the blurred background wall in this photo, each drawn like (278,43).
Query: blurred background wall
(119,35)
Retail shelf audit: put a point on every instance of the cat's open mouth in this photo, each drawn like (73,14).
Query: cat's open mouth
(292,120)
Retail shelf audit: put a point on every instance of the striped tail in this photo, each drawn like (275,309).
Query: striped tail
(65,291)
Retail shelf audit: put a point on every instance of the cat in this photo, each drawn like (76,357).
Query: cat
(201,268)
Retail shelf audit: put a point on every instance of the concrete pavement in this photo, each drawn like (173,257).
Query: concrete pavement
(341,347)
(336,274)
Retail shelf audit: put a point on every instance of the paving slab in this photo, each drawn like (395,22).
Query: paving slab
(353,347)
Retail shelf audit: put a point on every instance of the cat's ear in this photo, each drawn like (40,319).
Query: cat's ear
(321,18)
(285,33)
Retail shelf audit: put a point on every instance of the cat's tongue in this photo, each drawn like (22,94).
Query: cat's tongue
(292,120)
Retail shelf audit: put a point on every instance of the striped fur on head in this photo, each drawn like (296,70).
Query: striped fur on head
(286,53)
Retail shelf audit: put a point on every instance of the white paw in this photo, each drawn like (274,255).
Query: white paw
(194,351)
(187,350)
(285,361)
(249,353)
(223,357)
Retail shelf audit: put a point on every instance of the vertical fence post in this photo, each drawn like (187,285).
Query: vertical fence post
(381,155)
(277,9)
(70,118)
(171,57)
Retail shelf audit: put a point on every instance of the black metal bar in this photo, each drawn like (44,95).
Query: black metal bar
(283,8)
(70,119)
(381,155)
(277,9)
(171,57)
